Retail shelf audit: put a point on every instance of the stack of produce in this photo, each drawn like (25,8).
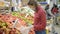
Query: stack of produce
(28,19)
(6,30)
(9,21)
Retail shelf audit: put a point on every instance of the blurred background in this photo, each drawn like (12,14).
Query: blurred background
(11,10)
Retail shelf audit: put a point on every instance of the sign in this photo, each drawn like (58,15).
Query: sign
(43,3)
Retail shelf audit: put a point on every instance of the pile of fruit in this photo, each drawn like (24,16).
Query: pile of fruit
(7,21)
(28,19)
(6,30)
(10,20)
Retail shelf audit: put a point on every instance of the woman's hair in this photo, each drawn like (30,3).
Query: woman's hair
(33,3)
(54,5)
(47,4)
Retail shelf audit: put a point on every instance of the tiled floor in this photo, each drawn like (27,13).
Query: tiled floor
(57,29)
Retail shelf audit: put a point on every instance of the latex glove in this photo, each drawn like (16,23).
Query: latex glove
(25,30)
(31,26)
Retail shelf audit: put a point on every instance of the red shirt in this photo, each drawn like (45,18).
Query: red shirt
(55,10)
(40,19)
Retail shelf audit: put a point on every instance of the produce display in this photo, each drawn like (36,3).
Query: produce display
(9,21)
(28,19)
(27,10)
(6,30)
(20,21)
(13,22)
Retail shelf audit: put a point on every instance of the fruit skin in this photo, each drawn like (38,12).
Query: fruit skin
(14,31)
(6,29)
(32,31)
(2,30)
(27,20)
(24,21)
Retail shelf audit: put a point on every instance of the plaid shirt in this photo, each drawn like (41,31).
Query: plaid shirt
(39,19)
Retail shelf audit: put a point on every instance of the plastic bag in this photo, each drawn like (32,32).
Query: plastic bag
(25,30)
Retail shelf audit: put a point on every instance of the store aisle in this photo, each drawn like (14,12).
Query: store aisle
(57,28)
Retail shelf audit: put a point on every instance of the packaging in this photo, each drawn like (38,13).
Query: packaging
(25,30)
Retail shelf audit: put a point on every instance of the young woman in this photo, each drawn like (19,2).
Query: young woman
(39,18)
(48,12)
(55,12)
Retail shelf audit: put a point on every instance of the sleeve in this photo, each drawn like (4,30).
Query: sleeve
(42,23)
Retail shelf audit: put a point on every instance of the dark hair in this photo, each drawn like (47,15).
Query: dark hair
(47,4)
(33,3)
(54,5)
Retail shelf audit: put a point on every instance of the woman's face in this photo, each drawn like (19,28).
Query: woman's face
(32,7)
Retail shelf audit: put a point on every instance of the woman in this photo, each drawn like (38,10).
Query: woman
(55,9)
(39,18)
(55,12)
(48,12)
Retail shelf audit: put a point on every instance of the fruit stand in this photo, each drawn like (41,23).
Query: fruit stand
(12,22)
(19,22)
